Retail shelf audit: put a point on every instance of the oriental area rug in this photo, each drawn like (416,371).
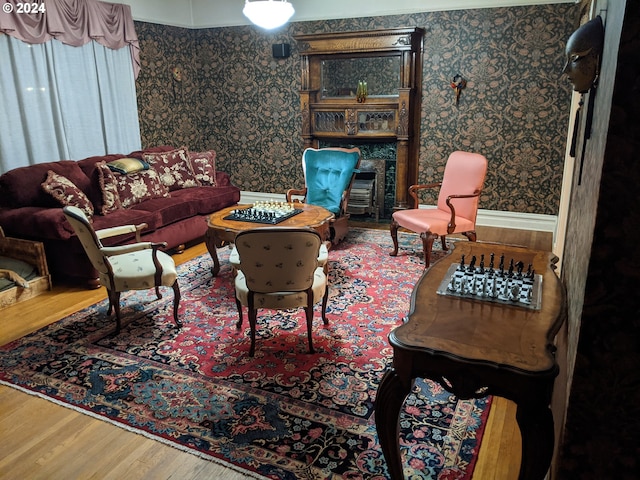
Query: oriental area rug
(284,414)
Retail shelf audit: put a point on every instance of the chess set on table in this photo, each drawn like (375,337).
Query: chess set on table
(264,212)
(512,286)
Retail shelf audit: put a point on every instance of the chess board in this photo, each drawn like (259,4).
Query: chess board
(509,286)
(259,215)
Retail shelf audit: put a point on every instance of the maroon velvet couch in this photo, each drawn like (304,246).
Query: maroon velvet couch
(27,212)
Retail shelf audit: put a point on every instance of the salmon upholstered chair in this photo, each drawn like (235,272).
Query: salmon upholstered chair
(328,177)
(278,269)
(457,205)
(135,266)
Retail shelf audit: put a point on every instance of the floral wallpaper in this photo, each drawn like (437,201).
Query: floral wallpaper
(234,97)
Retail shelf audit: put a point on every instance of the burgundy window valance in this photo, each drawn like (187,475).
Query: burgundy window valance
(75,22)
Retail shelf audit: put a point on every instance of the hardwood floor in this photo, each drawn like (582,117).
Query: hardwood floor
(42,440)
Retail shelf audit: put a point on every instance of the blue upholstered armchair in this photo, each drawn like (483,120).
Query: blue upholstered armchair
(328,176)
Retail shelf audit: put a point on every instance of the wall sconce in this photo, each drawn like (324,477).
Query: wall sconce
(458,83)
(268,14)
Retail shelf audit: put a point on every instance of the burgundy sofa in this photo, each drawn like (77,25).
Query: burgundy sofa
(28,212)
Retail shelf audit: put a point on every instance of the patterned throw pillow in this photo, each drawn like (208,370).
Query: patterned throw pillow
(204,166)
(174,168)
(138,187)
(65,192)
(109,189)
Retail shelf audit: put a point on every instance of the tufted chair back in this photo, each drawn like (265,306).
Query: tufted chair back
(278,269)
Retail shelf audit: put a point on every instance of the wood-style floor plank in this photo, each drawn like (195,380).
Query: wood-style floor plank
(42,440)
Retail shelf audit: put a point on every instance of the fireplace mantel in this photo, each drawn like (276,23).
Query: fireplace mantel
(365,87)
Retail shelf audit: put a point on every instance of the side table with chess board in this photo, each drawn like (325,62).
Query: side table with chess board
(225,224)
(482,322)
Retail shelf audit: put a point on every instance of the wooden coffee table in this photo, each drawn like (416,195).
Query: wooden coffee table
(222,232)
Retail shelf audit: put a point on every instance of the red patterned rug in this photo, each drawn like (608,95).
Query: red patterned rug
(284,414)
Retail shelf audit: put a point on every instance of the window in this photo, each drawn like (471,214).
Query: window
(65,102)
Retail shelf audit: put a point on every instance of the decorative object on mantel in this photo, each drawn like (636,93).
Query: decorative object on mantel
(458,83)
(361,92)
(268,14)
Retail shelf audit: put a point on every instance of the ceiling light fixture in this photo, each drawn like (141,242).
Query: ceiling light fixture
(268,14)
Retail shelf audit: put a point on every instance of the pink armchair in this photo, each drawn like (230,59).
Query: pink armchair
(456,209)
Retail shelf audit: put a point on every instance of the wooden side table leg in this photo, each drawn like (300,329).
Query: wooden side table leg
(389,400)
(536,429)
(211,242)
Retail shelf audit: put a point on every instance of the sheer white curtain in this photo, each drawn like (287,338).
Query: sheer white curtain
(64,102)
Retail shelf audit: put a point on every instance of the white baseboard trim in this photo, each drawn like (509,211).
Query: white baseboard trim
(486,218)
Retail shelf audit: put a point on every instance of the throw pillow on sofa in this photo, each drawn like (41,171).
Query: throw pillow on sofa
(109,189)
(66,192)
(204,166)
(174,168)
(127,165)
(138,187)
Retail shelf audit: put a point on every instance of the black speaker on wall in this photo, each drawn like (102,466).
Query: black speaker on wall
(281,50)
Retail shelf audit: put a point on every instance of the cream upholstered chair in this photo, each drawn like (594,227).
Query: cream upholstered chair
(457,205)
(137,266)
(278,269)
(328,177)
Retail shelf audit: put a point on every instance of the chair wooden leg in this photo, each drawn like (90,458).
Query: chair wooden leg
(470,235)
(116,306)
(427,245)
(325,298)
(110,309)
(253,314)
(239,322)
(309,314)
(443,241)
(158,294)
(176,303)
(393,229)
(339,229)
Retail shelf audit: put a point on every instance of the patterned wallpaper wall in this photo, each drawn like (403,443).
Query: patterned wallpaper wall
(235,98)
